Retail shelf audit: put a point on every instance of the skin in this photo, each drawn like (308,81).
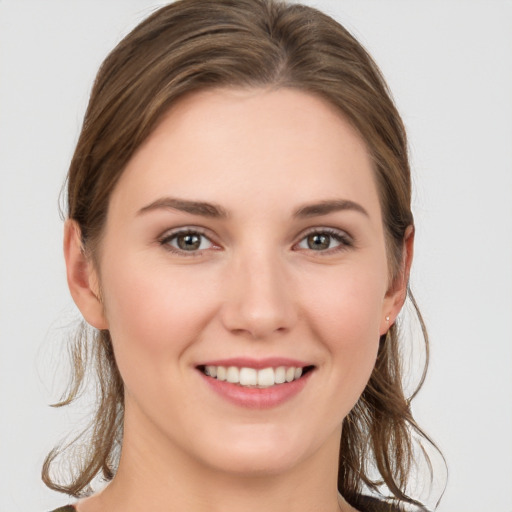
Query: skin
(255,288)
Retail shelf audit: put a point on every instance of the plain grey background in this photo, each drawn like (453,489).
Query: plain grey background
(449,66)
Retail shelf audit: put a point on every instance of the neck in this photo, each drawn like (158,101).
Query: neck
(170,480)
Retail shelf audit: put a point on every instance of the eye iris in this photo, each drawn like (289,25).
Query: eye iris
(319,241)
(189,242)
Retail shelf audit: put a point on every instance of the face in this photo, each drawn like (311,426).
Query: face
(244,246)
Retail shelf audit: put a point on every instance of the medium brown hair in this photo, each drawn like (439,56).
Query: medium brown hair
(193,45)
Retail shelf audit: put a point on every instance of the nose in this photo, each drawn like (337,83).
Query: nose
(259,300)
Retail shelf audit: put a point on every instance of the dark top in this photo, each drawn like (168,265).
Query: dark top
(366,504)
(369,504)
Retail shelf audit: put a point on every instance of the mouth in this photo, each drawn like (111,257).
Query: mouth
(247,377)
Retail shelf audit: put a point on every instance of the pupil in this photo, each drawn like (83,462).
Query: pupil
(189,242)
(318,241)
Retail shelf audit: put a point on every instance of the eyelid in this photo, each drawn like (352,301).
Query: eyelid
(169,234)
(346,240)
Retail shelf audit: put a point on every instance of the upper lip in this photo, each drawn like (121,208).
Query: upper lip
(258,364)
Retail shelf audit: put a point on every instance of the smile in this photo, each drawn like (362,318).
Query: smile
(255,378)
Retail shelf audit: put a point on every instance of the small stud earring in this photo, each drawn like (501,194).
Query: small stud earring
(387,319)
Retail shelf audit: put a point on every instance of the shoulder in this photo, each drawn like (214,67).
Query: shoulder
(370,504)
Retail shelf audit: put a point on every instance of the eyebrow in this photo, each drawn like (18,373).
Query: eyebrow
(211,210)
(193,207)
(329,206)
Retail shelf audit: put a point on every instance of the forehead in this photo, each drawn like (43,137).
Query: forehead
(272,144)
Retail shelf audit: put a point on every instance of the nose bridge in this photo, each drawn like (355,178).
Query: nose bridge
(259,299)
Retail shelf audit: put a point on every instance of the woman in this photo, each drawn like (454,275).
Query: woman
(240,237)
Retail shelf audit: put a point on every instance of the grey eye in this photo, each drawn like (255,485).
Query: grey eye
(325,240)
(320,241)
(188,241)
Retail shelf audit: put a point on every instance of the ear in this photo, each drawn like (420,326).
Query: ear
(82,277)
(397,293)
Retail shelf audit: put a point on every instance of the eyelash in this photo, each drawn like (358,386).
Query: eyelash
(344,240)
(165,241)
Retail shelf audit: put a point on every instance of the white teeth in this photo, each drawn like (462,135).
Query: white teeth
(211,371)
(233,375)
(248,377)
(280,375)
(245,376)
(266,377)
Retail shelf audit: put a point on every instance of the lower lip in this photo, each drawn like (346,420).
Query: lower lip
(257,398)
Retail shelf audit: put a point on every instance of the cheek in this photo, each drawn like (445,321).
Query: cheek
(151,310)
(346,304)
(345,314)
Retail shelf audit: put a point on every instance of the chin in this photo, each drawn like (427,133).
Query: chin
(259,451)
(251,464)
